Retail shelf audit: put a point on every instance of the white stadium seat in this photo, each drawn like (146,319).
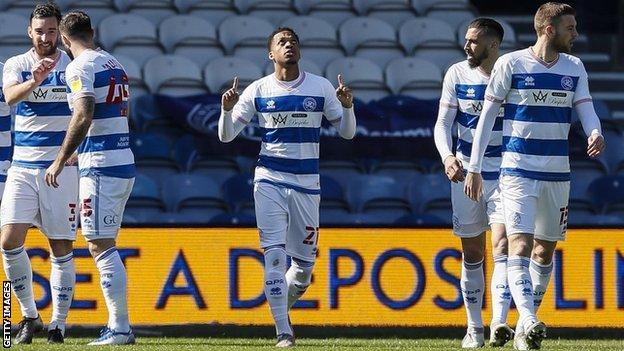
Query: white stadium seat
(274,11)
(191,37)
(318,39)
(246,37)
(414,77)
(13,38)
(213,11)
(129,35)
(219,73)
(370,38)
(426,32)
(393,12)
(173,75)
(361,75)
(332,11)
(153,10)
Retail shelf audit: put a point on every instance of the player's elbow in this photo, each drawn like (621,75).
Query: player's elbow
(223,137)
(347,135)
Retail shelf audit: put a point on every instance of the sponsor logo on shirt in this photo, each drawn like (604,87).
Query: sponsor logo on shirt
(270,105)
(529,81)
(470,92)
(540,96)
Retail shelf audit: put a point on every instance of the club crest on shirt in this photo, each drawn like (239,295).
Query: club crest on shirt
(567,83)
(309,104)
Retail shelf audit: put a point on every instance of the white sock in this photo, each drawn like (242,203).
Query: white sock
(113,281)
(298,278)
(521,289)
(501,296)
(18,270)
(275,288)
(62,283)
(540,276)
(472,285)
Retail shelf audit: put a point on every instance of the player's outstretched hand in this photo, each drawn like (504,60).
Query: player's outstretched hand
(344,93)
(230,97)
(52,173)
(473,186)
(453,169)
(42,69)
(595,145)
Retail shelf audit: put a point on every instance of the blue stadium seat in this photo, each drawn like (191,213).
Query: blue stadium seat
(151,147)
(218,174)
(414,77)
(173,75)
(370,38)
(331,191)
(440,208)
(581,175)
(428,188)
(145,193)
(238,193)
(401,171)
(370,219)
(130,35)
(193,192)
(203,213)
(341,170)
(236,219)
(318,38)
(405,112)
(153,10)
(377,195)
(332,11)
(184,150)
(191,37)
(607,190)
(142,214)
(615,145)
(421,220)
(580,212)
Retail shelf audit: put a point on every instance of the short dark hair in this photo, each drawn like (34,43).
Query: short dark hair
(489,26)
(46,10)
(550,13)
(279,30)
(77,25)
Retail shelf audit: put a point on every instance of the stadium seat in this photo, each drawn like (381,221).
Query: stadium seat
(219,73)
(238,193)
(184,149)
(341,171)
(13,38)
(370,38)
(370,193)
(454,17)
(234,219)
(422,6)
(213,11)
(332,195)
(361,75)
(96,9)
(218,168)
(153,156)
(130,35)
(606,191)
(246,37)
(370,219)
(440,208)
(173,75)
(333,11)
(304,65)
(403,172)
(153,10)
(420,220)
(509,38)
(580,212)
(443,58)
(193,191)
(334,214)
(191,37)
(414,77)
(427,33)
(427,188)
(145,193)
(143,215)
(581,175)
(274,11)
(318,38)
(393,12)
(615,145)
(135,76)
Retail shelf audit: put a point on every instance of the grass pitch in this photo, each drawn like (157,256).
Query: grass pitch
(171,344)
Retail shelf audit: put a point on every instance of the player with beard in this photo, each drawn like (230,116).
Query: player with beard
(461,101)
(290,105)
(34,82)
(540,85)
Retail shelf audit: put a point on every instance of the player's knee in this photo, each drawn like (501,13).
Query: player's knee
(302,272)
(274,261)
(500,246)
(12,237)
(61,247)
(96,247)
(541,255)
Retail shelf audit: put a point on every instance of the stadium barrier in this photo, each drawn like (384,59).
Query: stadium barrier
(367,277)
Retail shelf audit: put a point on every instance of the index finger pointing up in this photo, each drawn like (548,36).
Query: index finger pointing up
(340,80)
(235,83)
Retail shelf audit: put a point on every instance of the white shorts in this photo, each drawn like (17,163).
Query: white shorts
(27,199)
(288,217)
(535,207)
(102,203)
(473,218)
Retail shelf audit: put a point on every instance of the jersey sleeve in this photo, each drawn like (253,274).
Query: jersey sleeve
(500,80)
(80,79)
(245,108)
(333,108)
(12,72)
(449,95)
(582,88)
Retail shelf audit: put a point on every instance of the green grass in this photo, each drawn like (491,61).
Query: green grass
(152,343)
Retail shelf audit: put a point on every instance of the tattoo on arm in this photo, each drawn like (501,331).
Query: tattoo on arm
(78,126)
